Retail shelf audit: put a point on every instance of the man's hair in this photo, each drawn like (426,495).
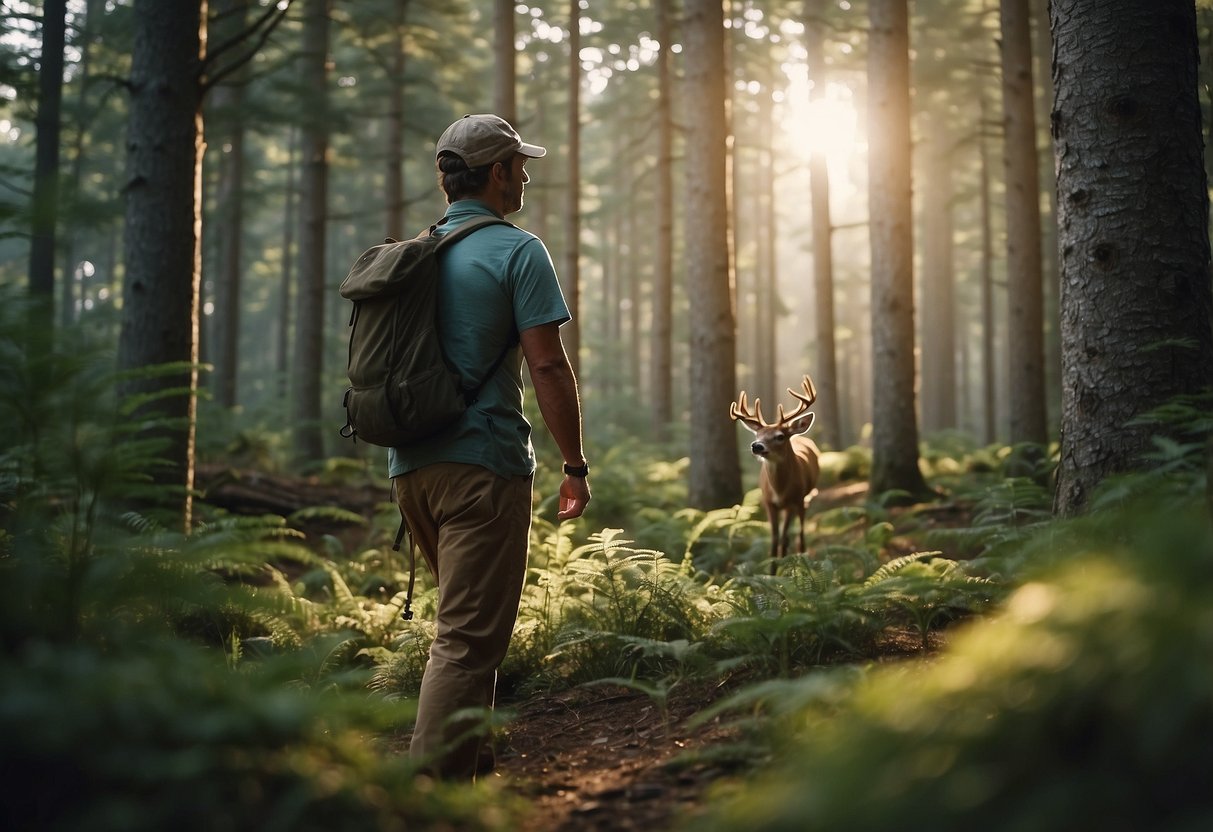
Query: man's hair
(458,181)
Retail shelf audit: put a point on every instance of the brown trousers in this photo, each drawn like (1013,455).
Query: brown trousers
(472,527)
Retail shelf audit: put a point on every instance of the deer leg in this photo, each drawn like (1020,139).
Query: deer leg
(800,514)
(773,517)
(785,528)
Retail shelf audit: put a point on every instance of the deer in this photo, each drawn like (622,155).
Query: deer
(790,466)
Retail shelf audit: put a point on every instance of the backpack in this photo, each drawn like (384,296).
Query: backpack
(402,388)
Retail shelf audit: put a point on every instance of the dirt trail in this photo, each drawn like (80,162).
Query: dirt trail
(603,758)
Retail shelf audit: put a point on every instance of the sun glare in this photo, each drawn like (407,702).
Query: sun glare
(824,122)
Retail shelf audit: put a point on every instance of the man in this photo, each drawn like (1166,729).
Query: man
(466,493)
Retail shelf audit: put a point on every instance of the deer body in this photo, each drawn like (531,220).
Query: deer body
(790,465)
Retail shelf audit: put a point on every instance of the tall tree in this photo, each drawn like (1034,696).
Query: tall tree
(313,208)
(44,205)
(571,274)
(1025,294)
(894,420)
(393,192)
(1132,192)
(1043,52)
(825,374)
(938,276)
(715,470)
(990,389)
(163,217)
(661,382)
(504,81)
(226,107)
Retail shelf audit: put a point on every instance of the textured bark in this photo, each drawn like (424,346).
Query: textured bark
(825,373)
(988,376)
(163,218)
(894,420)
(227,103)
(1025,294)
(661,380)
(1042,40)
(715,470)
(938,280)
(571,274)
(44,204)
(313,205)
(504,84)
(1133,211)
(393,192)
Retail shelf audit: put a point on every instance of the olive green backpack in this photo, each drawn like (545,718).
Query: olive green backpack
(402,388)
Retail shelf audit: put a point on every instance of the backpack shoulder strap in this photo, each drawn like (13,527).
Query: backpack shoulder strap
(463,229)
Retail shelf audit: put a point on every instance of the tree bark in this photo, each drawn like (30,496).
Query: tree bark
(715,470)
(894,420)
(163,221)
(938,279)
(1025,294)
(571,276)
(825,374)
(44,204)
(313,206)
(661,380)
(227,103)
(393,193)
(990,387)
(1133,211)
(504,82)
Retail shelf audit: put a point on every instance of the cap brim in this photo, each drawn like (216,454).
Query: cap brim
(533,150)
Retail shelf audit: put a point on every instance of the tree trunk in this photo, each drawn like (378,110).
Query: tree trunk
(1135,289)
(313,205)
(766,273)
(938,279)
(1025,297)
(44,204)
(571,276)
(504,84)
(825,374)
(990,388)
(894,421)
(287,277)
(393,192)
(1043,53)
(715,470)
(163,217)
(661,380)
(227,103)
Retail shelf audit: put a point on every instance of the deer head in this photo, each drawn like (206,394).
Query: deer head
(772,438)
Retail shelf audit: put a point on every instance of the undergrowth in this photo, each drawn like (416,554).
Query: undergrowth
(243,674)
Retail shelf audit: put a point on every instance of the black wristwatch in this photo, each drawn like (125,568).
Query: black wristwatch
(582,470)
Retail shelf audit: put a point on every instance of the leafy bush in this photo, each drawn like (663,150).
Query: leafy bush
(169,737)
(1088,703)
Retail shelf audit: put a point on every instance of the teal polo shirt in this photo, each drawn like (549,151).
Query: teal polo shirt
(495,283)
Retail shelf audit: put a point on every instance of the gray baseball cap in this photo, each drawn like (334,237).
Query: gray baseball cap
(483,139)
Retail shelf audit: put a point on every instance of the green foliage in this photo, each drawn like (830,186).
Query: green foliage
(151,679)
(167,737)
(1087,702)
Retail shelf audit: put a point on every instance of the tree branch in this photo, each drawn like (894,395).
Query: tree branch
(268,22)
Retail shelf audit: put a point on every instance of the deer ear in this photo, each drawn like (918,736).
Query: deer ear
(802,424)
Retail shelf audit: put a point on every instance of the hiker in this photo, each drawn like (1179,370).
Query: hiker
(465,493)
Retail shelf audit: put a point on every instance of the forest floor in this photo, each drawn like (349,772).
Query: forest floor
(598,758)
(606,759)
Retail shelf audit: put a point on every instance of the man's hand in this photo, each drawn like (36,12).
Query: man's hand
(574,495)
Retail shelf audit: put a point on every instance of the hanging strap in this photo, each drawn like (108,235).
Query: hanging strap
(407,615)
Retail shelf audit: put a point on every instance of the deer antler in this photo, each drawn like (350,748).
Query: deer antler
(740,410)
(806,399)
